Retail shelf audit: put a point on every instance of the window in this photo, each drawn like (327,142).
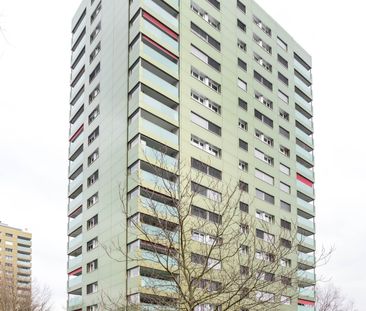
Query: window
(283,97)
(202,213)
(284,187)
(281,44)
(92,266)
(285,262)
(284,132)
(215,3)
(244,207)
(205,58)
(9,235)
(196,119)
(92,244)
(241,6)
(94,53)
(242,45)
(285,206)
(264,138)
(243,125)
(205,238)
(263,157)
(241,25)
(264,296)
(265,276)
(243,166)
(242,64)
(285,151)
(94,73)
(263,80)
(285,169)
(92,200)
(93,178)
(264,177)
(206,102)
(93,157)
(95,32)
(92,308)
(93,136)
(284,115)
(266,65)
(205,80)
(262,44)
(261,255)
(79,22)
(264,100)
(264,216)
(207,192)
(202,260)
(96,12)
(260,116)
(264,196)
(93,115)
(205,16)
(262,26)
(211,149)
(265,236)
(244,249)
(282,78)
(242,84)
(206,169)
(282,61)
(244,270)
(285,243)
(243,186)
(92,222)
(92,288)
(242,104)
(94,94)
(285,224)
(286,300)
(243,145)
(206,37)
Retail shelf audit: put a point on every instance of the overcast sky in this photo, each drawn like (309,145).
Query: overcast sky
(34,76)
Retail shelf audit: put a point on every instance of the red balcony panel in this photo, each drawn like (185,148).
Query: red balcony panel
(77,271)
(306,302)
(77,133)
(157,45)
(160,25)
(304,180)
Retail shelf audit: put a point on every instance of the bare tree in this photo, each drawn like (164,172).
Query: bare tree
(330,298)
(194,246)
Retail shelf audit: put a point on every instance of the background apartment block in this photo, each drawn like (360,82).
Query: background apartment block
(220,82)
(16,256)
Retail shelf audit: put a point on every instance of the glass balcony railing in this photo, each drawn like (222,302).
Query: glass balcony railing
(306,155)
(305,222)
(151,307)
(305,188)
(164,109)
(302,274)
(75,301)
(307,292)
(24,263)
(74,184)
(76,88)
(76,163)
(304,120)
(161,285)
(77,105)
(161,13)
(304,104)
(306,206)
(76,144)
(306,89)
(76,202)
(160,59)
(24,242)
(308,139)
(305,308)
(77,51)
(75,241)
(163,134)
(74,127)
(24,271)
(308,258)
(158,181)
(305,240)
(76,281)
(24,257)
(159,233)
(157,207)
(75,261)
(300,68)
(24,249)
(304,171)
(73,223)
(158,258)
(159,83)
(162,158)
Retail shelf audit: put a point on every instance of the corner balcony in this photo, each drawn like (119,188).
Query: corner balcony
(306,258)
(306,277)
(307,139)
(308,107)
(158,208)
(75,282)
(301,69)
(307,293)
(306,155)
(74,223)
(75,203)
(306,241)
(75,303)
(26,257)
(73,165)
(158,183)
(24,249)
(158,233)
(155,156)
(158,258)
(309,191)
(303,87)
(75,242)
(76,183)
(304,171)
(158,284)
(308,123)
(305,308)
(76,143)
(74,262)
(306,223)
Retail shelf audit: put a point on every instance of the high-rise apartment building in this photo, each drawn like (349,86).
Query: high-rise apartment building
(15,256)
(216,81)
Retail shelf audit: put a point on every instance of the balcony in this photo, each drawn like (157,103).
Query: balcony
(75,262)
(300,68)
(306,155)
(75,126)
(305,240)
(158,83)
(305,308)
(307,139)
(74,184)
(73,165)
(162,159)
(307,292)
(158,258)
(158,132)
(308,277)
(307,207)
(24,271)
(159,233)
(76,281)
(76,88)
(76,144)
(157,207)
(306,223)
(308,259)
(75,222)
(151,307)
(24,249)
(74,203)
(24,241)
(309,191)
(304,171)
(75,301)
(304,104)
(300,84)
(77,105)
(78,49)
(75,241)
(158,182)
(158,284)
(23,263)
(304,120)
(26,257)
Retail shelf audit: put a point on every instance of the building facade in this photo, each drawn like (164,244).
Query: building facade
(217,81)
(16,256)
